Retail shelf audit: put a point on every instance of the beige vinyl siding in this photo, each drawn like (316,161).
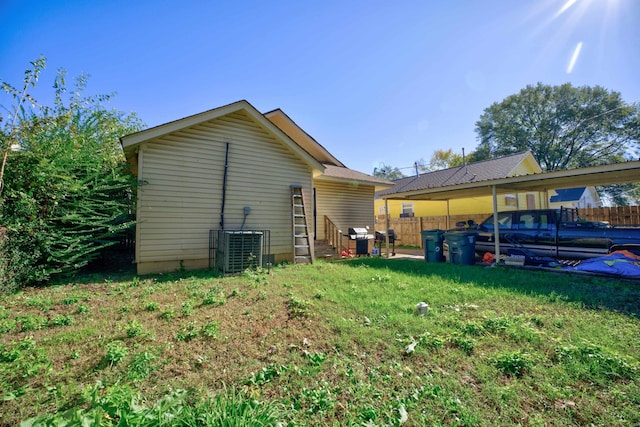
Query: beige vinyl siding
(346,204)
(180,198)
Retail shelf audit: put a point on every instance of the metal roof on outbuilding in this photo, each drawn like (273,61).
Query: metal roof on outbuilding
(502,167)
(616,173)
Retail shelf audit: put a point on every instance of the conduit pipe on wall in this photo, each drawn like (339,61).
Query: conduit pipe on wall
(224,186)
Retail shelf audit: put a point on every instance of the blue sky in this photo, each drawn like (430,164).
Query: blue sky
(372,81)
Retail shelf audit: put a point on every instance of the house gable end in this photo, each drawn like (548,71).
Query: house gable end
(131,142)
(184,175)
(524,164)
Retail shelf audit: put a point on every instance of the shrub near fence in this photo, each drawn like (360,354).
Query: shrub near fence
(408,229)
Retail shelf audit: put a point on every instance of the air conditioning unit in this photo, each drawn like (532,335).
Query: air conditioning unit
(239,250)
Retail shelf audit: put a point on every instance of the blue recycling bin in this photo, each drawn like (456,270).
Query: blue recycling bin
(433,244)
(462,246)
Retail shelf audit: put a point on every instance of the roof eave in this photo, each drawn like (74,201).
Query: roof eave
(320,147)
(375,183)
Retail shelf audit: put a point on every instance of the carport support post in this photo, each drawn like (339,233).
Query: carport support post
(496,231)
(386,218)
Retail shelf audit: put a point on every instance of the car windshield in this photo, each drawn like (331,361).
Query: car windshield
(505,220)
(528,221)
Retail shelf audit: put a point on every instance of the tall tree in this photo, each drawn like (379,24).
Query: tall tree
(67,195)
(444,159)
(563,126)
(387,172)
(20,97)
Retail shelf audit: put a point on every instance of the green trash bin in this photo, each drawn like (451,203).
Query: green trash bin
(462,246)
(433,244)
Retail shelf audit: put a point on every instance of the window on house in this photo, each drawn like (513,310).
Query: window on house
(381,210)
(511,200)
(407,210)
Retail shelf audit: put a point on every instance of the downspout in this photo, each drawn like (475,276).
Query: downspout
(224,186)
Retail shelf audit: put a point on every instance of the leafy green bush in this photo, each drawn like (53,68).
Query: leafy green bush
(67,195)
(14,264)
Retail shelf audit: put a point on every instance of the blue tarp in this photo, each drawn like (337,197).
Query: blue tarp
(615,264)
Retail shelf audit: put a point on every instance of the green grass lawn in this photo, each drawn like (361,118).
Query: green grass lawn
(325,344)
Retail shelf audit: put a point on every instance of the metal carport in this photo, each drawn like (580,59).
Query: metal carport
(616,173)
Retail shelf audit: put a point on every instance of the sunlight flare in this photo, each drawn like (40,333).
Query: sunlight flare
(565,7)
(574,57)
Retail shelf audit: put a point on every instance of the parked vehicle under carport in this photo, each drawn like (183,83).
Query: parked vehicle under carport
(557,233)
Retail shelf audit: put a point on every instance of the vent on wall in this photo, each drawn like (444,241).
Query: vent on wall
(236,251)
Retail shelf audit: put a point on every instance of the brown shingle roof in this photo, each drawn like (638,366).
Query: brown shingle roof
(342,173)
(335,170)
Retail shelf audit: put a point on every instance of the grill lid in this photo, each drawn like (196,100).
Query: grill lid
(359,233)
(381,235)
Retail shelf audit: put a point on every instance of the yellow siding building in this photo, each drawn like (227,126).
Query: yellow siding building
(508,166)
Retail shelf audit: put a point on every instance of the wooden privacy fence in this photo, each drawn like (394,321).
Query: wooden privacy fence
(622,215)
(409,230)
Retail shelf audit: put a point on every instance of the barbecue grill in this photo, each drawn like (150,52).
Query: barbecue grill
(361,236)
(381,238)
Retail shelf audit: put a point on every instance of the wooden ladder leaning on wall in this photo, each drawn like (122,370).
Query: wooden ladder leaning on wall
(302,249)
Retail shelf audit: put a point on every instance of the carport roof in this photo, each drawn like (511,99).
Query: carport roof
(617,173)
